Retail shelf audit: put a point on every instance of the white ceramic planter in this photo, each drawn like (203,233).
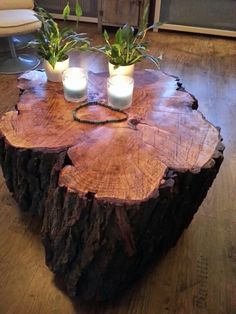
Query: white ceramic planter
(121,70)
(55,75)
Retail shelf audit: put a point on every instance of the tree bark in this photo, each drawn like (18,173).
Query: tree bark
(112,197)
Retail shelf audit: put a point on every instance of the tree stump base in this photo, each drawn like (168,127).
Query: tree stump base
(112,197)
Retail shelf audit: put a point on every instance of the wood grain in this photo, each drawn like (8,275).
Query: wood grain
(112,197)
(167,129)
(119,12)
(207,68)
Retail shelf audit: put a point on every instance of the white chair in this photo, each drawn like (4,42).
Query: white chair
(16,18)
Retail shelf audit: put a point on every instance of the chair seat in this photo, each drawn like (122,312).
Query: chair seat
(20,21)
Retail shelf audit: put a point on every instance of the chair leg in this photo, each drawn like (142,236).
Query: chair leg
(12,47)
(19,41)
(17,63)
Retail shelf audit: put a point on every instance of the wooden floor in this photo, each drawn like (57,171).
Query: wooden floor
(197,276)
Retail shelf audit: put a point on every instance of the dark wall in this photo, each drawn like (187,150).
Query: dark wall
(201,13)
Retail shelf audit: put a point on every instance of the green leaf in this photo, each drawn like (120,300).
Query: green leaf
(78,9)
(66,11)
(106,36)
(136,59)
(155,60)
(127,34)
(52,43)
(115,51)
(53,60)
(144,19)
(118,36)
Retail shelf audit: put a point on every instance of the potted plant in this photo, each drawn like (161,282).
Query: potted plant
(128,48)
(54,44)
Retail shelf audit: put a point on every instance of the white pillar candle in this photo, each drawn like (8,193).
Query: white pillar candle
(120,91)
(75,84)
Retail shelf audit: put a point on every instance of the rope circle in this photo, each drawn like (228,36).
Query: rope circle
(97,103)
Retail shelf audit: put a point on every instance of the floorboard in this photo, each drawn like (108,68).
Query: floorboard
(198,276)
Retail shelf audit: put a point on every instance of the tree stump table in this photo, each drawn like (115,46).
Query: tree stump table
(112,197)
